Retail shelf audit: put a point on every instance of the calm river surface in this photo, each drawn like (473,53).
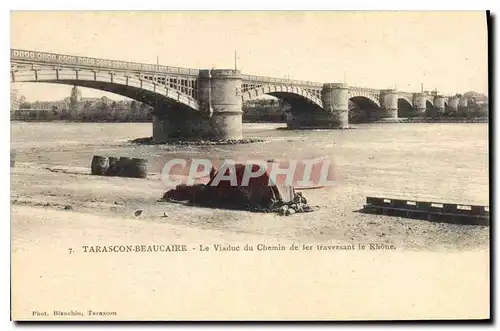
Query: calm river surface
(444,162)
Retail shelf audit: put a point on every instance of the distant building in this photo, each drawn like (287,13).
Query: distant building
(50,105)
(81,103)
(93,102)
(262,103)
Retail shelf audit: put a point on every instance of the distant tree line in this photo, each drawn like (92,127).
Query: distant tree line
(472,111)
(136,112)
(263,110)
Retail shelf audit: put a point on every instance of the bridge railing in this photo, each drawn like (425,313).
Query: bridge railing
(377,91)
(428,94)
(252,78)
(82,61)
(406,93)
(97,63)
(364,89)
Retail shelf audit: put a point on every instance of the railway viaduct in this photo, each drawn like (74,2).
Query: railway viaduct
(207,104)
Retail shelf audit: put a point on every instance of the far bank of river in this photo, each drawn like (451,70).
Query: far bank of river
(396,120)
(436,120)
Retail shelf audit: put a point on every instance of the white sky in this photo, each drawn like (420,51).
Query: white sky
(443,50)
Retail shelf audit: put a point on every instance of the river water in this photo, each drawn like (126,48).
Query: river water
(439,161)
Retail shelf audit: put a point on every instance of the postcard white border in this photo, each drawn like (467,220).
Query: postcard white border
(7,6)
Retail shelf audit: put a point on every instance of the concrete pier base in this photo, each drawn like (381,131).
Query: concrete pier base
(421,112)
(191,125)
(183,125)
(439,105)
(219,117)
(335,115)
(453,104)
(220,100)
(389,102)
(226,125)
(390,114)
(324,120)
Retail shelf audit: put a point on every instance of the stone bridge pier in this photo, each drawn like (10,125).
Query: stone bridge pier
(219,116)
(453,104)
(176,122)
(421,104)
(463,102)
(389,103)
(335,97)
(439,104)
(333,114)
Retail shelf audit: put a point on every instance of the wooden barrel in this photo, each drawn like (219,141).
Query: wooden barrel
(99,165)
(123,166)
(139,168)
(113,166)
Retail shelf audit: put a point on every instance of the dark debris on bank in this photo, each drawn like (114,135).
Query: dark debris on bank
(178,142)
(206,196)
(260,195)
(305,128)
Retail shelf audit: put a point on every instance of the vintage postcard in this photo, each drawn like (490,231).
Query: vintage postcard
(249,165)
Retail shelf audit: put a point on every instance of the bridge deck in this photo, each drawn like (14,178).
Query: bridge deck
(28,57)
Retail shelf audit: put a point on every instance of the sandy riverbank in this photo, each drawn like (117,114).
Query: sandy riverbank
(335,220)
(255,285)
(261,284)
(434,270)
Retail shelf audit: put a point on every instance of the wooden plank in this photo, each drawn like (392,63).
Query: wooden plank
(479,210)
(375,201)
(431,211)
(428,206)
(400,204)
(422,205)
(429,216)
(450,208)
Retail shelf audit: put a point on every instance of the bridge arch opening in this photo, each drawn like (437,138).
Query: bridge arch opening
(267,109)
(134,87)
(405,109)
(148,97)
(430,111)
(447,109)
(293,103)
(362,110)
(69,103)
(141,105)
